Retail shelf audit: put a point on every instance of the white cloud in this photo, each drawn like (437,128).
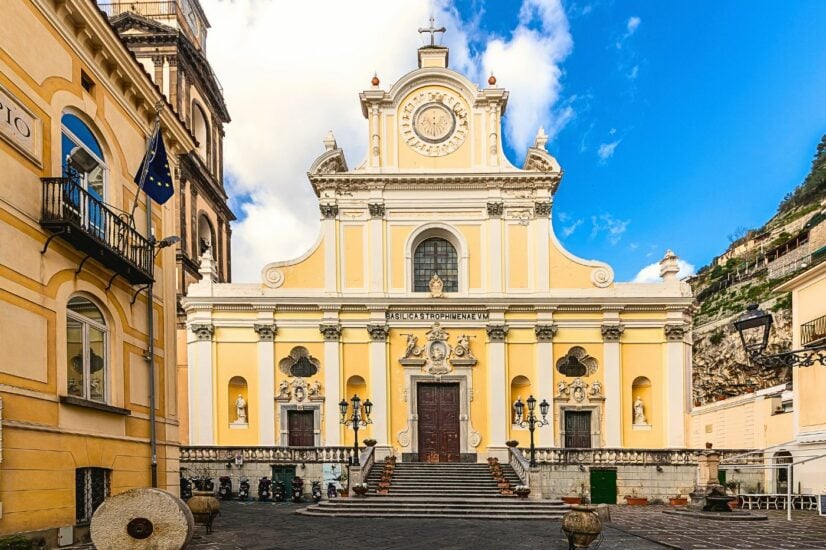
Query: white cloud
(631,27)
(651,272)
(568,230)
(610,226)
(286,84)
(632,74)
(606,150)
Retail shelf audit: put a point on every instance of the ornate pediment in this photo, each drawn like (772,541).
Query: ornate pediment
(330,162)
(579,392)
(436,356)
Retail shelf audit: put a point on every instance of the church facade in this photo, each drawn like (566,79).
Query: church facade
(437,289)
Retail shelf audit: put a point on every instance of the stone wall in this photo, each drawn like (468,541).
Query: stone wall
(642,480)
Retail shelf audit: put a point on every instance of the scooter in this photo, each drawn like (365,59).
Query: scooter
(186,488)
(280,491)
(297,488)
(208,484)
(316,491)
(244,489)
(331,490)
(225,488)
(264,489)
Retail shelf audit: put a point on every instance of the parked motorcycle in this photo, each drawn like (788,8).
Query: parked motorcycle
(297,488)
(316,491)
(331,490)
(225,488)
(244,489)
(208,484)
(186,488)
(280,491)
(264,489)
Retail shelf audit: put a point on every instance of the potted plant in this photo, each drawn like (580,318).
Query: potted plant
(634,500)
(370,442)
(522,491)
(360,489)
(342,493)
(503,483)
(678,500)
(575,496)
(512,443)
(492,460)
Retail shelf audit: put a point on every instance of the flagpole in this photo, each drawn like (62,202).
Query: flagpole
(151,144)
(150,318)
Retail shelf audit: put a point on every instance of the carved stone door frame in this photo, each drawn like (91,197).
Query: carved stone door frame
(408,438)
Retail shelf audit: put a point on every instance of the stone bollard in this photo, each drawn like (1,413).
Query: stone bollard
(142,518)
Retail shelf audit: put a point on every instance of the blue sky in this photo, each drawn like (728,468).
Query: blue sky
(715,109)
(675,122)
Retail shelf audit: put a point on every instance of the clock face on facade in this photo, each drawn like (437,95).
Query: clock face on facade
(433,122)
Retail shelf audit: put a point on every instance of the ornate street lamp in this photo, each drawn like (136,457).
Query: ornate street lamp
(532,421)
(357,418)
(754,327)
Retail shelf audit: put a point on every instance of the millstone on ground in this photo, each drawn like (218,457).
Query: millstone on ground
(140,519)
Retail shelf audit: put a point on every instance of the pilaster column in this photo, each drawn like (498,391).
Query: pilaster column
(494,236)
(266,381)
(202,393)
(376,247)
(332,382)
(675,385)
(378,382)
(329,214)
(611,334)
(545,377)
(541,226)
(498,408)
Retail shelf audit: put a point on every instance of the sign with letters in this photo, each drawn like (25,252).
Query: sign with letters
(437,316)
(19,127)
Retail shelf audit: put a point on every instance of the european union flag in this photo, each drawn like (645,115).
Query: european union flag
(157,181)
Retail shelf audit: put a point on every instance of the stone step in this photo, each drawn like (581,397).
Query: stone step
(499,504)
(456,514)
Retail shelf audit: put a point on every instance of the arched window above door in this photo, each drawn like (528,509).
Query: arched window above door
(435,256)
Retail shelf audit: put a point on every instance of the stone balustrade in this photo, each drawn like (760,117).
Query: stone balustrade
(613,457)
(267,454)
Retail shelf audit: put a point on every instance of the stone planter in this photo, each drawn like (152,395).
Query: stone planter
(512,443)
(678,501)
(204,507)
(581,526)
(370,442)
(572,500)
(522,493)
(636,501)
(359,490)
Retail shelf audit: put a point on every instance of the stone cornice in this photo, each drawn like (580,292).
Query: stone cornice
(354,181)
(89,32)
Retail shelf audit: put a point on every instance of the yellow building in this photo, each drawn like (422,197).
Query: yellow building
(77,110)
(438,290)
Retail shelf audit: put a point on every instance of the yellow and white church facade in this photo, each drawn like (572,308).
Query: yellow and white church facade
(438,290)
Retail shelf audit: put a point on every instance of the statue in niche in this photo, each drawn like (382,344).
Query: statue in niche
(284,389)
(579,394)
(516,417)
(436,285)
(240,410)
(639,411)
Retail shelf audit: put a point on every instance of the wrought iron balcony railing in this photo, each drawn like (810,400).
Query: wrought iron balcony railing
(813,332)
(85,222)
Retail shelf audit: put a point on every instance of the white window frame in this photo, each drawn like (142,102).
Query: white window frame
(86,323)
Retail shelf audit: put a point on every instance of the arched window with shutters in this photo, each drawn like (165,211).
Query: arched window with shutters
(435,256)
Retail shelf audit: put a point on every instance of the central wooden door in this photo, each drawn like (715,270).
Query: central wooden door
(438,407)
(578,429)
(301,429)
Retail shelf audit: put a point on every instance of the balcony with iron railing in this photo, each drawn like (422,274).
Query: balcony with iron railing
(813,333)
(89,225)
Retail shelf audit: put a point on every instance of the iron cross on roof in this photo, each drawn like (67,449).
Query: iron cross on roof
(432,30)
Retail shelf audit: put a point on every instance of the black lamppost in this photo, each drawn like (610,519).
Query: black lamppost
(532,421)
(754,326)
(357,418)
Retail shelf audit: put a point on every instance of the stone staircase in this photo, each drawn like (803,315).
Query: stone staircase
(423,490)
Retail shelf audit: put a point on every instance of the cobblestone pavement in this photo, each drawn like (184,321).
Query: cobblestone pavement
(254,526)
(806,530)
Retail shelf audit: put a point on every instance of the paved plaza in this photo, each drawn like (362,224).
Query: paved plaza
(275,526)
(806,530)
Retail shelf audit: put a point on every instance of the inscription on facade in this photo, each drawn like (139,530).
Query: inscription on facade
(436,316)
(19,126)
